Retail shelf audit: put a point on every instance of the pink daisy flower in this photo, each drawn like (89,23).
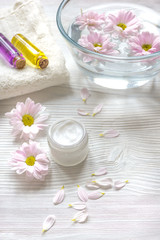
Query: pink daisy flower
(30,159)
(91,20)
(27,119)
(97,43)
(124,23)
(145,43)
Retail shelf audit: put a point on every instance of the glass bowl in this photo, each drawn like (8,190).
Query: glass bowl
(116,72)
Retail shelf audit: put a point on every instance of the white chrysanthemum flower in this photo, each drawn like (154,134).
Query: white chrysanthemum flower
(27,119)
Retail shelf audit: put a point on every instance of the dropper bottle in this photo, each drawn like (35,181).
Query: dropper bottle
(10,53)
(32,54)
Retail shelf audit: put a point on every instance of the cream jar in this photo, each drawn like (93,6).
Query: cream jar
(68,141)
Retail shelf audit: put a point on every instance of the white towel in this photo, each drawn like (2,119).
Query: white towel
(27,18)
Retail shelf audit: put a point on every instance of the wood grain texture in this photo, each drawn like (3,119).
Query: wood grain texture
(130,214)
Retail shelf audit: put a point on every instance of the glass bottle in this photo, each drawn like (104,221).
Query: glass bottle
(10,53)
(32,54)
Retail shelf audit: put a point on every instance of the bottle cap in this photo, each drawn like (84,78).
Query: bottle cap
(43,62)
(19,62)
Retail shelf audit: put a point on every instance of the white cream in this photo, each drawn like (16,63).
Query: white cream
(68,141)
(68,133)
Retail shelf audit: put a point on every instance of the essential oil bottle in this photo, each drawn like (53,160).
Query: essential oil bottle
(10,53)
(32,54)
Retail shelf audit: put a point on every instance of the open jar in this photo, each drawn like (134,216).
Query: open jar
(68,141)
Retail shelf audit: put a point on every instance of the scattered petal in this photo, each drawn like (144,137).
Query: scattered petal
(85,94)
(97,109)
(59,197)
(95,195)
(78,205)
(83,113)
(109,134)
(104,183)
(48,222)
(120,184)
(99,172)
(80,216)
(117,154)
(82,194)
(92,186)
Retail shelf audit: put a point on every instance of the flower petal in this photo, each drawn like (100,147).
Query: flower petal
(117,154)
(78,205)
(83,112)
(104,183)
(20,170)
(92,186)
(48,222)
(109,134)
(80,216)
(59,197)
(85,94)
(82,194)
(95,195)
(120,184)
(100,171)
(97,109)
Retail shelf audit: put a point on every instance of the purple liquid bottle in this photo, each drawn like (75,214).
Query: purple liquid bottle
(10,53)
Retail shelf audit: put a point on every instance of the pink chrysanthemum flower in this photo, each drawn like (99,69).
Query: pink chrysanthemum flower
(124,23)
(91,20)
(145,43)
(30,159)
(27,119)
(97,43)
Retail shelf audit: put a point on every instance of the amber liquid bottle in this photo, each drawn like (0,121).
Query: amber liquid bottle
(31,53)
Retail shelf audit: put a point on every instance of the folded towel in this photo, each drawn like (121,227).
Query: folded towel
(27,17)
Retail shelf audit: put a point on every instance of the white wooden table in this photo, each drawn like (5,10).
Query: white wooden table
(130,214)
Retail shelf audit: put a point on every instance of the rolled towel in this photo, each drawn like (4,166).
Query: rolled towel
(28,18)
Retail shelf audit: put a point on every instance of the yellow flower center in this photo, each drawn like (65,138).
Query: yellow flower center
(146,47)
(122,25)
(30,161)
(27,120)
(97,45)
(91,24)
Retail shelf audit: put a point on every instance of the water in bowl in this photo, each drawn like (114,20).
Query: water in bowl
(119,73)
